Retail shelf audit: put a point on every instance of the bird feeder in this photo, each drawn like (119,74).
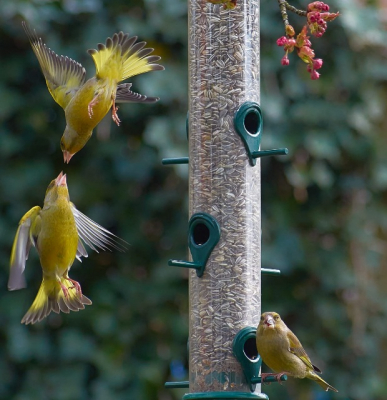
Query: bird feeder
(225,129)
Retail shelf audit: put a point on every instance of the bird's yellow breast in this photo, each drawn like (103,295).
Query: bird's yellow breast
(273,347)
(58,239)
(77,111)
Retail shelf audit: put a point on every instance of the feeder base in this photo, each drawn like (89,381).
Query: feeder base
(225,396)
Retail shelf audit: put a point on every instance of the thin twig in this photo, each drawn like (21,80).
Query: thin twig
(289,7)
(282,5)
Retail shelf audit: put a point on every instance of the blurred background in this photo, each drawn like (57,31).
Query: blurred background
(324,206)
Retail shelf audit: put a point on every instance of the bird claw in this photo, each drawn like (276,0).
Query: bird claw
(277,377)
(65,290)
(75,286)
(263,377)
(115,115)
(91,105)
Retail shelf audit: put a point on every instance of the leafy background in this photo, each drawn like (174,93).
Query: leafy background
(324,206)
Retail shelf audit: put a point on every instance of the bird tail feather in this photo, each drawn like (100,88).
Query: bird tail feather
(52,297)
(121,57)
(325,385)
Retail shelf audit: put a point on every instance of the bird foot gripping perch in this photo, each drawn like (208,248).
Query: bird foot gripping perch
(267,378)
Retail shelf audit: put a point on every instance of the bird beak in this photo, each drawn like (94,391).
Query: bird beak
(67,156)
(61,180)
(269,322)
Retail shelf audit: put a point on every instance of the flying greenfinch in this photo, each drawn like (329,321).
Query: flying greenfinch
(57,231)
(281,351)
(86,102)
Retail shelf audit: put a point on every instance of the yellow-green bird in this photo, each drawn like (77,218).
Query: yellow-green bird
(86,102)
(281,351)
(57,231)
(227,4)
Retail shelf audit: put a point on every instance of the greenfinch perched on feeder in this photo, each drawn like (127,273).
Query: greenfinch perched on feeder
(227,4)
(86,102)
(281,351)
(57,231)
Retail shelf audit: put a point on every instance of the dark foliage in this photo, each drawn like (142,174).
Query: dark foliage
(324,216)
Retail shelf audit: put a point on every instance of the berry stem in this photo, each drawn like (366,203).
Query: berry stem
(284,5)
(284,14)
(289,7)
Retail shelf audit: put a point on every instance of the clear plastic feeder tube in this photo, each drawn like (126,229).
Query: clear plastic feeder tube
(223,74)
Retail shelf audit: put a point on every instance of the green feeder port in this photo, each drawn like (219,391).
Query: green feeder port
(203,236)
(245,351)
(248,123)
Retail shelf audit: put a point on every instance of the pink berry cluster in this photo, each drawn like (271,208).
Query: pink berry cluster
(304,50)
(317,17)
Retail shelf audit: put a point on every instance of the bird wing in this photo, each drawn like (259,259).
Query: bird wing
(121,57)
(81,251)
(94,235)
(64,76)
(125,95)
(296,348)
(20,249)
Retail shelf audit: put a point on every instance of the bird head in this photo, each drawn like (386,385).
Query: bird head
(71,142)
(67,156)
(66,144)
(56,189)
(270,322)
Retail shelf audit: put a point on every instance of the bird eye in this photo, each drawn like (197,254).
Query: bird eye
(276,317)
(262,318)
